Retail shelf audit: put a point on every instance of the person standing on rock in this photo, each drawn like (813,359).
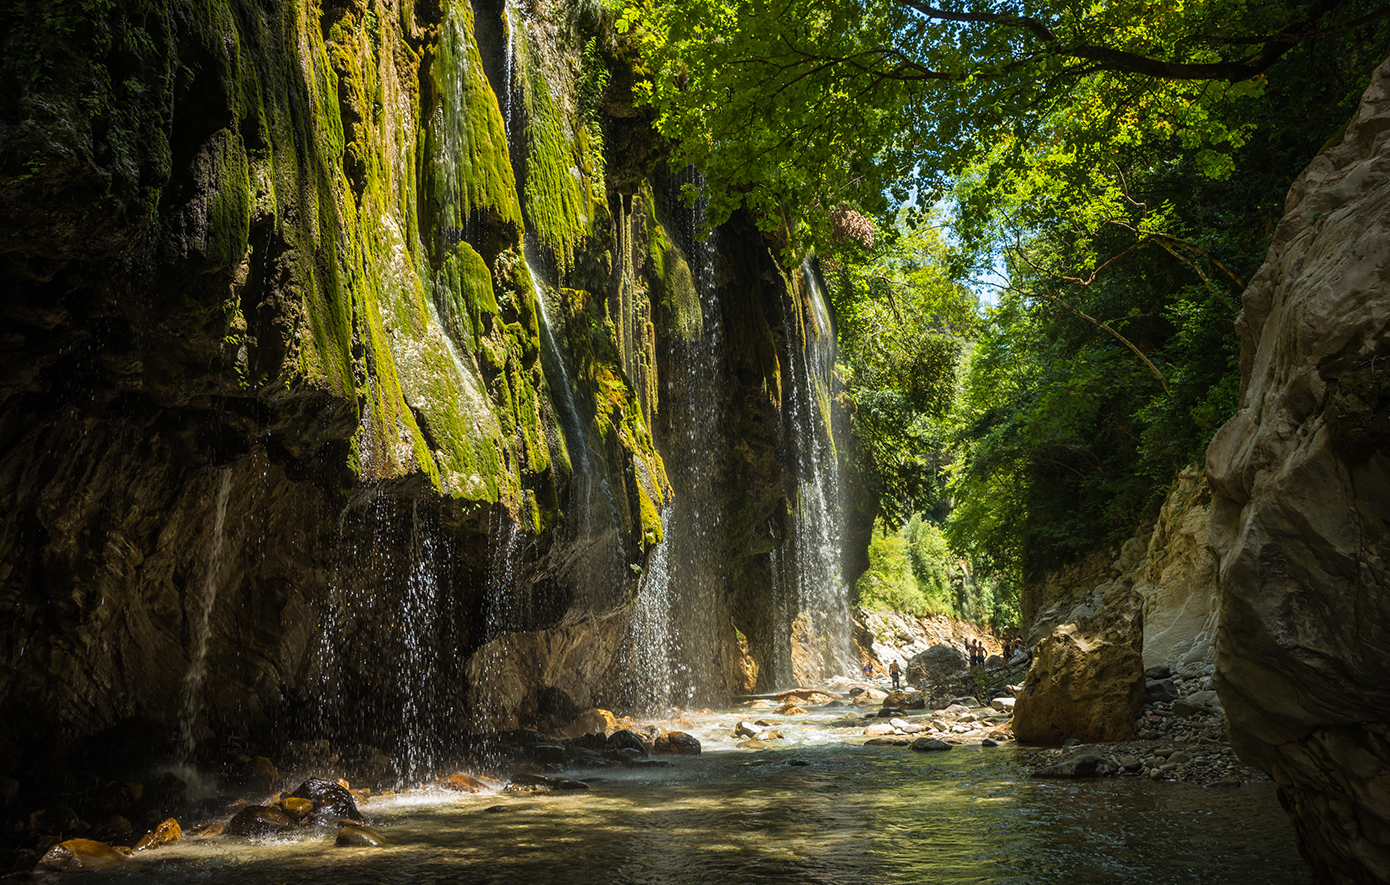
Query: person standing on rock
(895,671)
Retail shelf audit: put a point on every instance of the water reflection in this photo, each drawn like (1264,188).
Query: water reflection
(810,814)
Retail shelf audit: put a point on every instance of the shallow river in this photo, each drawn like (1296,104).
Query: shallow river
(849,814)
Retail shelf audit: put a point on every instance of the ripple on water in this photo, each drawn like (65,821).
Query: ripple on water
(850,814)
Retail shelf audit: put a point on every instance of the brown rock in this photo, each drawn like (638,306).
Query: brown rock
(676,743)
(1087,676)
(296,807)
(355,836)
(329,798)
(592,720)
(1301,483)
(254,774)
(259,820)
(166,833)
(208,831)
(791,710)
(463,783)
(80,854)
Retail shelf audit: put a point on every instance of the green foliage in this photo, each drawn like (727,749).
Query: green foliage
(913,569)
(902,321)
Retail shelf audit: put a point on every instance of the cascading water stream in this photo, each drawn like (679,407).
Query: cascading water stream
(815,599)
(202,626)
(674,641)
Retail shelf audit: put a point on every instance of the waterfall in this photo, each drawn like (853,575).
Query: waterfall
(419,613)
(202,626)
(815,616)
(651,644)
(679,617)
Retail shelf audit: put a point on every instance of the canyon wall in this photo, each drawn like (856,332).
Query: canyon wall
(344,345)
(1301,507)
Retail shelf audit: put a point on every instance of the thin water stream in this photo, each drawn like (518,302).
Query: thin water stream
(818,810)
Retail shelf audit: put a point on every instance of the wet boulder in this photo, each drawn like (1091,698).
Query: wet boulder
(355,836)
(81,854)
(625,740)
(463,783)
(167,833)
(259,820)
(929,745)
(677,743)
(329,798)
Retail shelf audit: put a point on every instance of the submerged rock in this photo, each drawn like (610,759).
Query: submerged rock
(1083,765)
(357,836)
(81,854)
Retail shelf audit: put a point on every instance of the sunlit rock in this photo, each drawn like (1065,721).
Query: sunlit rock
(929,745)
(591,721)
(1301,482)
(167,833)
(1087,676)
(1177,580)
(463,783)
(356,836)
(297,807)
(81,854)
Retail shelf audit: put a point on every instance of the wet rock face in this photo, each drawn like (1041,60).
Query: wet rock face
(1301,516)
(1087,676)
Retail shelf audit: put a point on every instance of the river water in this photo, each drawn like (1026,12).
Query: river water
(817,810)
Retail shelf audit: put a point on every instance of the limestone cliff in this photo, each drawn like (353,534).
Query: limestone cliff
(335,350)
(1301,510)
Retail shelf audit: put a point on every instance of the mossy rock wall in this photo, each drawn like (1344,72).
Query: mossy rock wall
(286,241)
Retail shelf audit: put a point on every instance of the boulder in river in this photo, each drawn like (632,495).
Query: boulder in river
(329,798)
(627,740)
(81,854)
(259,820)
(167,833)
(929,745)
(1080,766)
(1087,676)
(936,663)
(677,743)
(357,836)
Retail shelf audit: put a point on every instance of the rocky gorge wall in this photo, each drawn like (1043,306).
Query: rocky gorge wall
(1301,507)
(337,359)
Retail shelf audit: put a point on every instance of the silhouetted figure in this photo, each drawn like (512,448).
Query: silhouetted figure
(895,671)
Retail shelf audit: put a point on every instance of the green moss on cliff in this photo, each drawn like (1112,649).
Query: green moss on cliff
(560,163)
